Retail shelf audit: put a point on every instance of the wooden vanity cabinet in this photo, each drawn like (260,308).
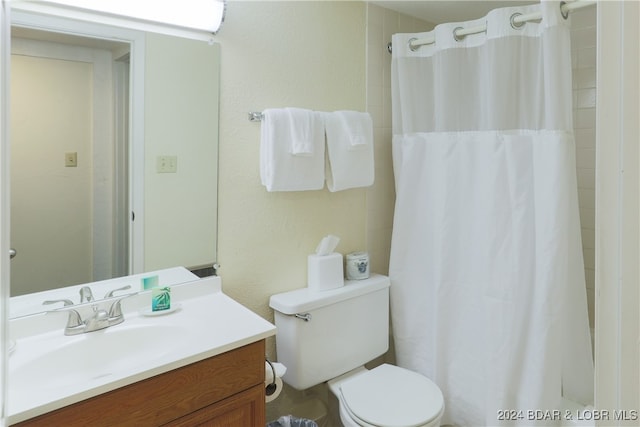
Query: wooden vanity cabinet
(224,390)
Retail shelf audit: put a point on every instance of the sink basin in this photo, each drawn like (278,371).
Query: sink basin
(94,355)
(49,370)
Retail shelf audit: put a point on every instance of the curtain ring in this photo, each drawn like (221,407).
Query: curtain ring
(564,13)
(516,25)
(411,46)
(456,37)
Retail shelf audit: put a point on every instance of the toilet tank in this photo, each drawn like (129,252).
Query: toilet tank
(324,334)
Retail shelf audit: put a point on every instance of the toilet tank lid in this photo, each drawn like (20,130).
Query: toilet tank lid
(305,299)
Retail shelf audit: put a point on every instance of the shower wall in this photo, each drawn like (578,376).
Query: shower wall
(583,60)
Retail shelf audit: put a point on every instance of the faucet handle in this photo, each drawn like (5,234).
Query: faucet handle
(65,301)
(115,311)
(110,293)
(74,320)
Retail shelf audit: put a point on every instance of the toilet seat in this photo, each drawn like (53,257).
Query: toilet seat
(391,396)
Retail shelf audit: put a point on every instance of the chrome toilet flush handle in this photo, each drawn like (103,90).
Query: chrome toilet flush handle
(304,316)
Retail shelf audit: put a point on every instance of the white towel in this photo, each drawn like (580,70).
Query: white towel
(302,124)
(350,148)
(292,150)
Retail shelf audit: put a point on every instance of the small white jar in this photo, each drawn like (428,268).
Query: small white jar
(357,266)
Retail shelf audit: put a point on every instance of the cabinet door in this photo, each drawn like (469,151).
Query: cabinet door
(170,396)
(244,409)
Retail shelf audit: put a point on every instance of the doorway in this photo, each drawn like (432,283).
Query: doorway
(69,146)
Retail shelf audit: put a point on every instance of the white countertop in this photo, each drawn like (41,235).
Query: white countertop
(215,324)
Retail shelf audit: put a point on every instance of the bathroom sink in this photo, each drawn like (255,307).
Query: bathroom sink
(48,370)
(87,357)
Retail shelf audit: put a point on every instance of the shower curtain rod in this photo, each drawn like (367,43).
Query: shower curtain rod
(517,20)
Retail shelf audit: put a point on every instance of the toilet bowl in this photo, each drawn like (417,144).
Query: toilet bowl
(330,335)
(387,396)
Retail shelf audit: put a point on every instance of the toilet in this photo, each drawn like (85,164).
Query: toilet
(329,336)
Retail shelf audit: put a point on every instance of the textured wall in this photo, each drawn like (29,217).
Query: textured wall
(381,25)
(283,54)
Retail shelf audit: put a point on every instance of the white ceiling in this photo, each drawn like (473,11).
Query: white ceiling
(441,11)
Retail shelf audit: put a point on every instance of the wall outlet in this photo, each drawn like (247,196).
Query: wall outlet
(167,164)
(71,159)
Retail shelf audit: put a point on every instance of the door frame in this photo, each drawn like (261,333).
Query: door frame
(5,198)
(136,116)
(617,344)
(104,146)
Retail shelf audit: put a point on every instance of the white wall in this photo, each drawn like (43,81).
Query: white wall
(51,205)
(283,54)
(180,120)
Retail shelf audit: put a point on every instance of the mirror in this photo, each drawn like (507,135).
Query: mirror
(115,152)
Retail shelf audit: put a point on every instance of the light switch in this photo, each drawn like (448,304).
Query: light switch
(167,164)
(71,159)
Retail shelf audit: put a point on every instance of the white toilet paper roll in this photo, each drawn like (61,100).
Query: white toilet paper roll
(276,393)
(279,369)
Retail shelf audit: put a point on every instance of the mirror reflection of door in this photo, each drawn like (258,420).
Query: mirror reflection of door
(67,141)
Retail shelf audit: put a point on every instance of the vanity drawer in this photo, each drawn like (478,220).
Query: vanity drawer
(166,397)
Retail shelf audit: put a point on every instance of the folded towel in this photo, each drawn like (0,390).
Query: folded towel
(350,148)
(292,150)
(302,124)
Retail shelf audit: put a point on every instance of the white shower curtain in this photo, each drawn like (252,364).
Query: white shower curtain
(488,294)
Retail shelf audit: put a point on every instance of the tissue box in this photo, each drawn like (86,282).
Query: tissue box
(325,272)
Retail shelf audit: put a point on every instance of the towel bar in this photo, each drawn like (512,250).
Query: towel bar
(255,116)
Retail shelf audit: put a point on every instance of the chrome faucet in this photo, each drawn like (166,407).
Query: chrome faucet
(85,294)
(99,319)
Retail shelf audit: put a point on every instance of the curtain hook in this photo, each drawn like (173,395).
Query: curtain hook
(516,25)
(411,46)
(564,12)
(456,37)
